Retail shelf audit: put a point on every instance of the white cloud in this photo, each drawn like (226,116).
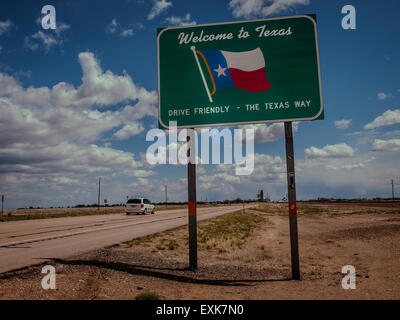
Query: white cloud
(386,145)
(30,44)
(356,165)
(360,176)
(53,131)
(61,27)
(98,88)
(392,133)
(48,39)
(220,177)
(387,118)
(180,21)
(343,164)
(63,158)
(220,181)
(362,137)
(127,33)
(5,26)
(383,95)
(250,8)
(342,124)
(340,150)
(158,7)
(142,173)
(145,107)
(129,130)
(112,27)
(268,133)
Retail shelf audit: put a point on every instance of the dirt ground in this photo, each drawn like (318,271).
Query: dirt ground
(331,235)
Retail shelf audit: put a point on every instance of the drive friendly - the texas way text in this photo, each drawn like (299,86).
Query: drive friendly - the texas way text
(248,107)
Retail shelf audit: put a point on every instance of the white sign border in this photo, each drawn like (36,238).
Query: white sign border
(247,122)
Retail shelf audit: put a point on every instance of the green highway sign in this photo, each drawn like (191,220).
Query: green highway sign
(241,72)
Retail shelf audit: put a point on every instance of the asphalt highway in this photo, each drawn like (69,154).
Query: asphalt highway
(28,242)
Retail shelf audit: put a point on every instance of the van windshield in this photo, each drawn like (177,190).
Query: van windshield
(134,201)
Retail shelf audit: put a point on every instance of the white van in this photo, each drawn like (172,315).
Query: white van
(139,205)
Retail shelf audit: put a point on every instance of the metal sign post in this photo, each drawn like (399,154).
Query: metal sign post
(192,210)
(291,181)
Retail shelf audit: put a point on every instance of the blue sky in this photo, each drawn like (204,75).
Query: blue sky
(76,103)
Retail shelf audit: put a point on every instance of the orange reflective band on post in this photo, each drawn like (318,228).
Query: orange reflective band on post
(192,208)
(292,208)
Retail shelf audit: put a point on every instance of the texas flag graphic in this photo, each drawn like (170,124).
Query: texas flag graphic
(244,70)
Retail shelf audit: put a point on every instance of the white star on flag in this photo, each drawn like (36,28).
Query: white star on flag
(220,71)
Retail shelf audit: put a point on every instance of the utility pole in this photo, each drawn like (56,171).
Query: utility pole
(166,197)
(98,198)
(2,203)
(392,191)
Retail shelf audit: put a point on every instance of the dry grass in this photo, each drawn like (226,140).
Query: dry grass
(147,296)
(272,208)
(331,210)
(282,209)
(223,234)
(228,232)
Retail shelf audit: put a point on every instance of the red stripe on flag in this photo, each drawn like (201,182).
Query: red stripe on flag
(253,81)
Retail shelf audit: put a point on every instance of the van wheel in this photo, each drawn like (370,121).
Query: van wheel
(127,213)
(152,212)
